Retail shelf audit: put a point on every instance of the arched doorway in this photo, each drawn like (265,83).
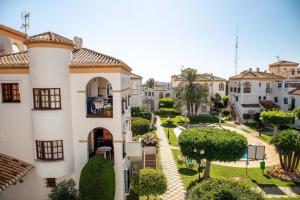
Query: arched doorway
(100,142)
(99,98)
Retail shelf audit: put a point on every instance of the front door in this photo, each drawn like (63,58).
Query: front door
(293,104)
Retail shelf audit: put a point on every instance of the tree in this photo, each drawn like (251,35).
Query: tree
(97,180)
(149,182)
(150,83)
(212,189)
(275,118)
(217,101)
(212,144)
(65,190)
(287,144)
(226,101)
(189,94)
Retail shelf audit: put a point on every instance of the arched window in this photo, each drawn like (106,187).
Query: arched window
(247,87)
(293,72)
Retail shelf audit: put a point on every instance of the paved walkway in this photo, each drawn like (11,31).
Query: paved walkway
(175,189)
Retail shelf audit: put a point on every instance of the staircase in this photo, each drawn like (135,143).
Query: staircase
(150,161)
(239,117)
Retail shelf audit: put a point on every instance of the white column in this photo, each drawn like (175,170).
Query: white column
(119,173)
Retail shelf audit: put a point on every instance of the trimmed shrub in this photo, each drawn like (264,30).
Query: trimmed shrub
(149,182)
(139,126)
(65,190)
(167,111)
(97,180)
(216,144)
(166,102)
(212,189)
(138,112)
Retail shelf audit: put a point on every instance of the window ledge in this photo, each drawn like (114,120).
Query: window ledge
(49,161)
(52,109)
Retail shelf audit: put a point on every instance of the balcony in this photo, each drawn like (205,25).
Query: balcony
(99,98)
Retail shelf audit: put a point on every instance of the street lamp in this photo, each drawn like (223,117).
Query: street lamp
(200,164)
(168,121)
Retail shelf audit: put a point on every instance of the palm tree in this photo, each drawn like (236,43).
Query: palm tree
(150,83)
(190,95)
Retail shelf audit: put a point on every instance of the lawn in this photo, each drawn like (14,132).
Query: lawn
(173,141)
(254,177)
(179,120)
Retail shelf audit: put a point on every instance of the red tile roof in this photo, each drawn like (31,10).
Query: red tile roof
(81,56)
(135,76)
(11,171)
(284,63)
(50,37)
(255,75)
(295,92)
(268,104)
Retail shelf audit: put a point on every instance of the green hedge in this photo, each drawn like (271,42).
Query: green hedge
(166,102)
(297,112)
(212,189)
(138,112)
(97,180)
(167,111)
(139,126)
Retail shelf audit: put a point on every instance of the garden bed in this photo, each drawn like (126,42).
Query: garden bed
(277,172)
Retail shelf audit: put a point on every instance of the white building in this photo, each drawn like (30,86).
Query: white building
(215,84)
(60,104)
(136,90)
(152,95)
(253,91)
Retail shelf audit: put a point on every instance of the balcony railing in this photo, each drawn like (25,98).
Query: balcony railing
(99,107)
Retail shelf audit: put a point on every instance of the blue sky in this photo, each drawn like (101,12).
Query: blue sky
(157,37)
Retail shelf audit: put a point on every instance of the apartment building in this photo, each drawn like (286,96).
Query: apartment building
(60,104)
(136,90)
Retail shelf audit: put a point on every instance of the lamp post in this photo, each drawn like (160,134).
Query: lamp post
(168,122)
(201,152)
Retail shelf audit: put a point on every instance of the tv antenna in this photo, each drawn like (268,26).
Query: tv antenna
(236,49)
(25,20)
(278,58)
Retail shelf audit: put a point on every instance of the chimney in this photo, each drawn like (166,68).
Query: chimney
(257,69)
(78,42)
(250,69)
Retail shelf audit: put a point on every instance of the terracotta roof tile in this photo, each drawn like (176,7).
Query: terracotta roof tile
(14,59)
(135,76)
(268,104)
(295,92)
(11,171)
(284,63)
(254,75)
(86,56)
(49,37)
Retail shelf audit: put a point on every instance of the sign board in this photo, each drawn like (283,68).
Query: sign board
(256,152)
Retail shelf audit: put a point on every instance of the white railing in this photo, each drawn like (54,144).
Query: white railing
(238,114)
(134,149)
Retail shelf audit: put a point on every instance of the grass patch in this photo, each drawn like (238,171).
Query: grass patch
(254,177)
(173,141)
(253,127)
(229,125)
(174,121)
(265,138)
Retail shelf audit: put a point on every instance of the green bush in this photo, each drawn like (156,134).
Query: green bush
(166,102)
(225,101)
(212,189)
(149,182)
(138,112)
(139,126)
(167,111)
(97,180)
(65,190)
(296,111)
(225,112)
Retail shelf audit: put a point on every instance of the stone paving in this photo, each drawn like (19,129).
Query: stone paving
(175,189)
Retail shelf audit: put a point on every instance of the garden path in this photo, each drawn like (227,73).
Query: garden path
(175,189)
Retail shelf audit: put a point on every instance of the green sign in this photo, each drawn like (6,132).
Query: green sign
(262,165)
